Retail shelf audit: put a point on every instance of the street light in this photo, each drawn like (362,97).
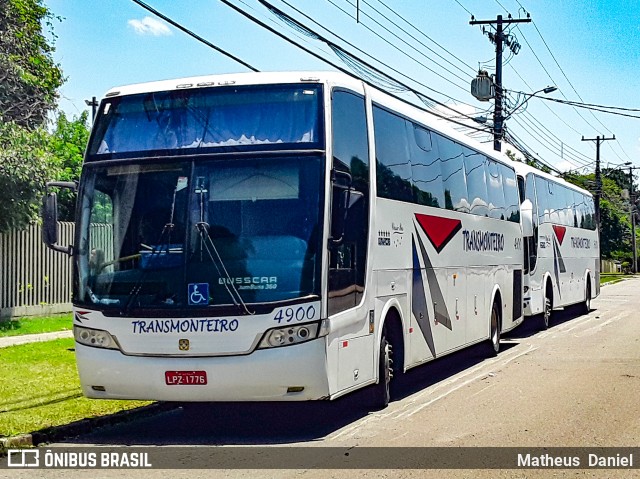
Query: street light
(93,103)
(527,96)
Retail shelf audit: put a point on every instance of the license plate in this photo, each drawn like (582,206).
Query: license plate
(185,378)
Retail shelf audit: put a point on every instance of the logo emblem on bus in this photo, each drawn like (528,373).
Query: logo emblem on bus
(183,345)
(439,230)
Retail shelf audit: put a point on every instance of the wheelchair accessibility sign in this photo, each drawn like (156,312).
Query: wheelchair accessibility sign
(198,294)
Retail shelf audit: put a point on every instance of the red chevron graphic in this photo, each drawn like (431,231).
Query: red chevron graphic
(560,232)
(439,230)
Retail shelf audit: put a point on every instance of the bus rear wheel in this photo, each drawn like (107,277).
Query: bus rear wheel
(381,392)
(548,308)
(494,328)
(586,305)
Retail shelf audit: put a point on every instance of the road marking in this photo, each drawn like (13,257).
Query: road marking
(414,404)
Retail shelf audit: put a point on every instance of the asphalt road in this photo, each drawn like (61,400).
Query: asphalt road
(574,385)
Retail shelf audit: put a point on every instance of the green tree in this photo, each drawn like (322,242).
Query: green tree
(23,172)
(67,144)
(29,80)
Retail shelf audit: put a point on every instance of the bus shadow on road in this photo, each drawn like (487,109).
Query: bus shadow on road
(534,324)
(269,423)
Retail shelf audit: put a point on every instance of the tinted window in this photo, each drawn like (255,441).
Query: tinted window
(590,216)
(578,209)
(348,260)
(475,170)
(512,201)
(542,192)
(392,156)
(455,186)
(269,116)
(425,169)
(532,243)
(495,190)
(556,201)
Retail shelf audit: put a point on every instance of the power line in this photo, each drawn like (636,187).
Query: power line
(342,69)
(194,35)
(421,33)
(601,109)
(406,43)
(345,57)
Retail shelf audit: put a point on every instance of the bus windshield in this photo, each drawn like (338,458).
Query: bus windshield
(221,118)
(199,233)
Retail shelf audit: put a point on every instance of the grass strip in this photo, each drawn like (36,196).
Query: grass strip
(40,388)
(35,325)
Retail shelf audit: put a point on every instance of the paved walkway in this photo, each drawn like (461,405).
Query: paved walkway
(33,338)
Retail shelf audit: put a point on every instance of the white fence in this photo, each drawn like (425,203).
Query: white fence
(33,278)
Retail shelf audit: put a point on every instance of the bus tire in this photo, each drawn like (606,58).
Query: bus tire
(381,392)
(586,305)
(495,325)
(547,307)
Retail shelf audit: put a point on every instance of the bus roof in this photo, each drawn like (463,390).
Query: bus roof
(399,105)
(524,169)
(241,79)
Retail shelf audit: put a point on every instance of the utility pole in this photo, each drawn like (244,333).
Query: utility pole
(598,140)
(632,205)
(499,38)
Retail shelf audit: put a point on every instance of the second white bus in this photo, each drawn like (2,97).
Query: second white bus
(562,258)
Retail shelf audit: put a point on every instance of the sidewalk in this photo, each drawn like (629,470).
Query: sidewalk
(33,338)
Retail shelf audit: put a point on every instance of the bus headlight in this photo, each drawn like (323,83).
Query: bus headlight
(94,337)
(286,336)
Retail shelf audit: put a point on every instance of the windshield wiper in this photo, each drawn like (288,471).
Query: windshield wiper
(210,248)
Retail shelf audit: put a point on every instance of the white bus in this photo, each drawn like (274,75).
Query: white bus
(562,258)
(282,236)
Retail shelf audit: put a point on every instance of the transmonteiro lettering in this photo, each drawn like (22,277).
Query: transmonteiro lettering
(166,326)
(482,241)
(583,243)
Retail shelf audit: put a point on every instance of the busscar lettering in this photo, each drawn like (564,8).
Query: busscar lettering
(482,241)
(251,282)
(167,326)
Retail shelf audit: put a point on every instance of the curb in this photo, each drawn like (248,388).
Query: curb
(58,433)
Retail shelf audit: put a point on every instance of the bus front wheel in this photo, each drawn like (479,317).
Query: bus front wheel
(548,308)
(381,392)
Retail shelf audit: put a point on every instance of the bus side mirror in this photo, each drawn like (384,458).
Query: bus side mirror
(50,217)
(526,218)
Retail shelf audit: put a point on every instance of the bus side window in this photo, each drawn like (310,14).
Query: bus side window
(495,190)
(453,178)
(348,255)
(512,201)
(542,192)
(393,161)
(577,209)
(475,171)
(530,194)
(426,171)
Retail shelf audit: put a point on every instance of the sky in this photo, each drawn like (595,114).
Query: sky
(588,49)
